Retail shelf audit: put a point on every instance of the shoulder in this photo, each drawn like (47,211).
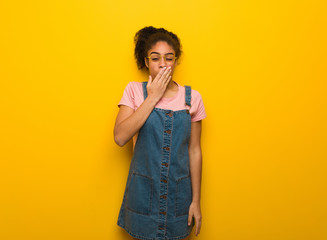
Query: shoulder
(135,92)
(196,97)
(133,88)
(197,106)
(133,95)
(196,94)
(134,85)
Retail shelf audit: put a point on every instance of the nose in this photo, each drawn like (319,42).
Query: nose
(162,62)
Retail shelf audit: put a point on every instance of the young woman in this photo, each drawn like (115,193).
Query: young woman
(162,194)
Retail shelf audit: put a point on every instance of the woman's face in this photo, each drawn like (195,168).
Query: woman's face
(161,55)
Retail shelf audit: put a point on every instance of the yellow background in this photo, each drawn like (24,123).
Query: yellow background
(260,67)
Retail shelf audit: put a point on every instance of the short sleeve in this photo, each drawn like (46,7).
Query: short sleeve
(128,97)
(197,107)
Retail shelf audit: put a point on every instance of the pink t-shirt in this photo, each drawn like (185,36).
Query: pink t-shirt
(133,97)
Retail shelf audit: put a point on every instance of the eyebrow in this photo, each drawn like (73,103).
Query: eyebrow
(159,53)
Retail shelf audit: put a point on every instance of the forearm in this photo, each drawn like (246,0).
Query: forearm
(196,173)
(126,129)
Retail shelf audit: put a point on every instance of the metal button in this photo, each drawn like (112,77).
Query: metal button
(170,114)
(187,111)
(167,148)
(163,180)
(163,196)
(164,213)
(164,164)
(168,131)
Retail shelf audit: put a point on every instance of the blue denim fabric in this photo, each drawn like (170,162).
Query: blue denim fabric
(158,191)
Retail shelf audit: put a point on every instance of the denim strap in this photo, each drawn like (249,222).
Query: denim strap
(145,93)
(188,95)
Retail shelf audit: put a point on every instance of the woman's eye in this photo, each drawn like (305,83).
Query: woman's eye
(155,59)
(169,59)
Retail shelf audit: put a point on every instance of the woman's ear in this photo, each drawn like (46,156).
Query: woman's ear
(146,61)
(175,63)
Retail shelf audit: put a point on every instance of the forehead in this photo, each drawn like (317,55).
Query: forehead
(161,47)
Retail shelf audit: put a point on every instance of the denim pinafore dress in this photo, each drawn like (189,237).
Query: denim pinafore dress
(158,191)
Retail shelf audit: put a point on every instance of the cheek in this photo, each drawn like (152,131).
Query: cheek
(153,72)
(154,69)
(172,70)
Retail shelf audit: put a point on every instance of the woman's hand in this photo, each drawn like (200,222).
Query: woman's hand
(195,211)
(157,87)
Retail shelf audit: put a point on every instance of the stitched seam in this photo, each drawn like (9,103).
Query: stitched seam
(171,136)
(163,138)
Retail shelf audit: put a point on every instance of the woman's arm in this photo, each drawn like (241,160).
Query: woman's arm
(128,122)
(196,171)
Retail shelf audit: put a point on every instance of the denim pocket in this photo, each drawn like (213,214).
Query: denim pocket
(183,196)
(139,194)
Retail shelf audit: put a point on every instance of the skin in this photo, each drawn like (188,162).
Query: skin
(129,122)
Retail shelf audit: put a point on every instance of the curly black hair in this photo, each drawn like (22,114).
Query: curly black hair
(145,38)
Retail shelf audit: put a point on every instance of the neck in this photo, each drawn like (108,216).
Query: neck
(171,85)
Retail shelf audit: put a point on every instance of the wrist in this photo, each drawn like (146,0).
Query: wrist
(196,201)
(152,100)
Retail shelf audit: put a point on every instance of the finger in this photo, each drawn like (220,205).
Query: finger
(198,226)
(167,81)
(168,77)
(160,74)
(166,73)
(165,76)
(189,219)
(150,80)
(200,223)
(169,72)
